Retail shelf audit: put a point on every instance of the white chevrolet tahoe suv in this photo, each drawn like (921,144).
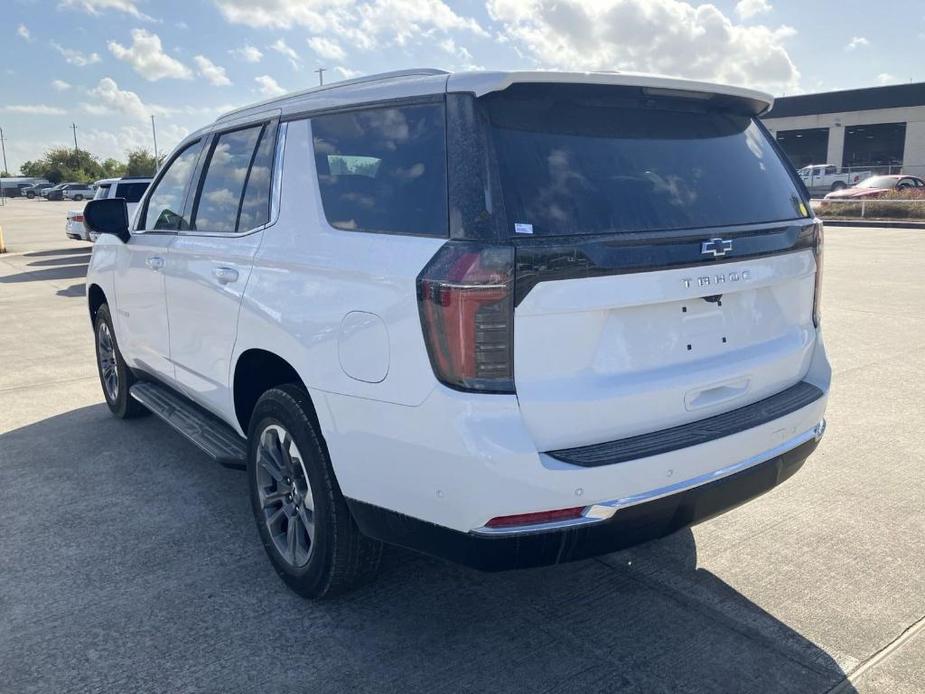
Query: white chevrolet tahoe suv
(508,319)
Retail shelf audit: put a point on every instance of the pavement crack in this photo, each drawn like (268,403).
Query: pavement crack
(906,635)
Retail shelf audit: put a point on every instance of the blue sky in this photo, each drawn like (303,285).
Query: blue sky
(107,65)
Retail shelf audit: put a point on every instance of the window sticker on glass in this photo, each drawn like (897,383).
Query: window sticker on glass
(522,228)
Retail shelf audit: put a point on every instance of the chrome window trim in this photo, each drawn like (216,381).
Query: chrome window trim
(600,512)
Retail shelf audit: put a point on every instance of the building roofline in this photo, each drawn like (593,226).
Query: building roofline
(847,100)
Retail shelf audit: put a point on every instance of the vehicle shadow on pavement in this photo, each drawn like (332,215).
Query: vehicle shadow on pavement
(59,267)
(143,571)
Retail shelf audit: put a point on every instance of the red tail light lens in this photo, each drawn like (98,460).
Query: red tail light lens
(535,518)
(465,296)
(817,295)
(77,218)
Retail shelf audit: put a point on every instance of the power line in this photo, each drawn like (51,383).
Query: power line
(76,150)
(321,71)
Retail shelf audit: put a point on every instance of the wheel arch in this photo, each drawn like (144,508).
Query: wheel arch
(255,372)
(96,297)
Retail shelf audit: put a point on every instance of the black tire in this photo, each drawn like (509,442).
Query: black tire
(120,403)
(339,557)
(78,197)
(30,195)
(839,185)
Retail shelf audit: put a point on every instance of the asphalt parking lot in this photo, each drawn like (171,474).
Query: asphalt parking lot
(129,562)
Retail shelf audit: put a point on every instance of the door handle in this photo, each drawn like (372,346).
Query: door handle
(225,274)
(155,262)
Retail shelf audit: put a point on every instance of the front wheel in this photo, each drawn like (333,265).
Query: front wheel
(30,195)
(303,520)
(115,376)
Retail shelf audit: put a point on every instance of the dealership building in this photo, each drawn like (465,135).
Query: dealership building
(877,128)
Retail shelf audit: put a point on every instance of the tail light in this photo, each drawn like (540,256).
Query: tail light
(465,296)
(77,218)
(817,294)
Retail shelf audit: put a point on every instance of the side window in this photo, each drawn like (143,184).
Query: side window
(255,207)
(165,205)
(102,191)
(132,192)
(829,170)
(219,199)
(384,169)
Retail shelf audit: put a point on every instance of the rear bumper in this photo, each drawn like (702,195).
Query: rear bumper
(630,523)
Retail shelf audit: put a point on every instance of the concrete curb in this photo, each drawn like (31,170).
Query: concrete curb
(888,224)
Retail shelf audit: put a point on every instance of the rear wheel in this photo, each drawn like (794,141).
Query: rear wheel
(303,520)
(78,197)
(839,185)
(30,195)
(115,376)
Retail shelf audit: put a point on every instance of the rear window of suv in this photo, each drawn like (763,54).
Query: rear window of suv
(585,161)
(383,169)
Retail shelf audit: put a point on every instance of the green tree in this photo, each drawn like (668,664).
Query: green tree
(141,163)
(65,164)
(113,168)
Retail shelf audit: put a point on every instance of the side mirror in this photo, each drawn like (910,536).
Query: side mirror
(108,216)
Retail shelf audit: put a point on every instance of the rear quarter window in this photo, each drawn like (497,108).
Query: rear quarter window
(383,169)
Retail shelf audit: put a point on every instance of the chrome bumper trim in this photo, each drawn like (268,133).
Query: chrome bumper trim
(602,511)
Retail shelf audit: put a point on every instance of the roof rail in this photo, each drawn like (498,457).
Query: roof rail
(378,77)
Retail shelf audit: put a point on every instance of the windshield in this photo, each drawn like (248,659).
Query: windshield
(878,182)
(581,161)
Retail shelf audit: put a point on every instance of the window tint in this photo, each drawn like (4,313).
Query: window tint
(226,174)
(384,169)
(132,192)
(255,208)
(586,161)
(165,206)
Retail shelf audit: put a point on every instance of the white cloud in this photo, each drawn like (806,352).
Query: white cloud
(96,6)
(746,9)
(75,57)
(116,143)
(857,42)
(282,48)
(247,53)
(326,48)
(34,110)
(148,59)
(60,85)
(347,72)
(108,98)
(269,86)
(23,31)
(363,24)
(662,36)
(215,74)
(886,78)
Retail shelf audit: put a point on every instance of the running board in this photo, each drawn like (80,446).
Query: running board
(216,439)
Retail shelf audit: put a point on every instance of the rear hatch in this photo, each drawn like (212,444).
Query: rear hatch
(664,264)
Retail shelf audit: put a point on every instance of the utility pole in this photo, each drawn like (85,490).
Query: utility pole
(76,150)
(321,72)
(154,134)
(3,147)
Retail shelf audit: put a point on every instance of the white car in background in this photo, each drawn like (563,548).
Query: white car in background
(131,188)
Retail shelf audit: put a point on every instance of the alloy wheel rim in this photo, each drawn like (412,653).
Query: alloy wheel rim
(107,356)
(285,496)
